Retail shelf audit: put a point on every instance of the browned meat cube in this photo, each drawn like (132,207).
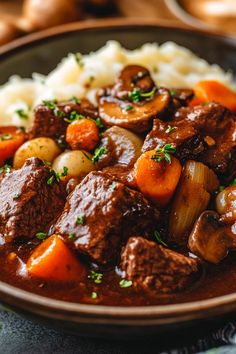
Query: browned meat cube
(101,213)
(49,120)
(28,203)
(188,142)
(155,269)
(204,133)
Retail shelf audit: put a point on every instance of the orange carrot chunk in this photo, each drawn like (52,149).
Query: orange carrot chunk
(11,138)
(211,90)
(53,260)
(157,180)
(82,134)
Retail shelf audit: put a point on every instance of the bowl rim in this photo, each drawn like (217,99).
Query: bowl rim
(54,308)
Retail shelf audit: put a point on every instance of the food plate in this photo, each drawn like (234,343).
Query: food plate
(40,53)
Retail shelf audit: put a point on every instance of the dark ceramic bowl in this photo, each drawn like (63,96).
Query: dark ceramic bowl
(40,53)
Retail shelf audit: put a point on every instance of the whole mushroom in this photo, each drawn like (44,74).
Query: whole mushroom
(38,14)
(211,239)
(8,31)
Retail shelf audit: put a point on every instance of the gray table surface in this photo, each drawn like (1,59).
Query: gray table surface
(21,336)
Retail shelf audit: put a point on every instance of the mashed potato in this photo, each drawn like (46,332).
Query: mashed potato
(170,65)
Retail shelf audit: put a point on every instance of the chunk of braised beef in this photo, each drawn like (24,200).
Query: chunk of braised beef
(101,213)
(28,204)
(206,133)
(184,136)
(217,126)
(51,121)
(156,270)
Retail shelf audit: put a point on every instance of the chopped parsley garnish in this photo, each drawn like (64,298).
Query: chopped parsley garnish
(79,59)
(158,238)
(75,99)
(6,137)
(91,78)
(136,95)
(51,104)
(172,92)
(41,235)
(21,113)
(5,168)
(95,276)
(125,283)
(99,123)
(170,129)
(94,295)
(72,237)
(55,177)
(47,163)
(128,108)
(74,116)
(98,153)
(233,183)
(221,188)
(164,153)
(80,220)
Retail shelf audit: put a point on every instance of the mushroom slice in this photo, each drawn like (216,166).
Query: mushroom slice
(132,76)
(210,239)
(134,116)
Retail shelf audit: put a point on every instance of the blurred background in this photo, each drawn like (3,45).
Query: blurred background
(21,17)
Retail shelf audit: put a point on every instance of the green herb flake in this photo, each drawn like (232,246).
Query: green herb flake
(94,295)
(55,177)
(158,238)
(91,78)
(170,129)
(98,154)
(79,59)
(233,183)
(172,92)
(80,220)
(51,104)
(125,283)
(75,99)
(136,95)
(128,108)
(95,276)
(72,237)
(164,153)
(99,123)
(22,113)
(6,168)
(221,188)
(74,116)
(41,235)
(6,137)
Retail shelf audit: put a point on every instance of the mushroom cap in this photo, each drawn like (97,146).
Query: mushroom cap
(139,118)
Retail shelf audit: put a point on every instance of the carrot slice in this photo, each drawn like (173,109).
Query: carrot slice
(211,90)
(11,138)
(53,260)
(157,180)
(82,134)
